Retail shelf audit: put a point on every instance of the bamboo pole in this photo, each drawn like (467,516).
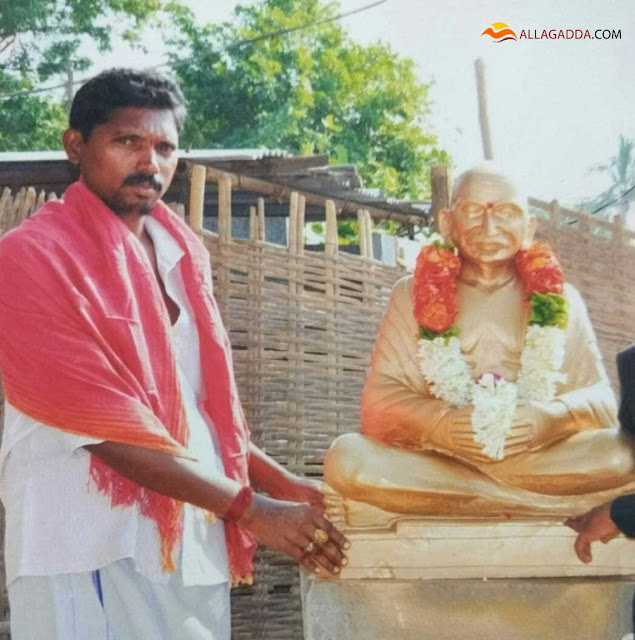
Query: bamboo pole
(41,199)
(331,242)
(5,201)
(554,223)
(261,220)
(253,224)
(197,197)
(361,224)
(331,249)
(294,323)
(300,228)
(293,250)
(370,252)
(292,240)
(225,209)
(483,117)
(441,189)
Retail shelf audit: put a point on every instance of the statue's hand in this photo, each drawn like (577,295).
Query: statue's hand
(536,430)
(461,437)
(522,434)
(525,431)
(530,430)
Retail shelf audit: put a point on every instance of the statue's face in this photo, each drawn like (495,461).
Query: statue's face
(488,223)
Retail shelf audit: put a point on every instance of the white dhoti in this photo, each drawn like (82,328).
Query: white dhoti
(117,603)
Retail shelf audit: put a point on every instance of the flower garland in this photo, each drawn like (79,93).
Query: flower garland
(442,364)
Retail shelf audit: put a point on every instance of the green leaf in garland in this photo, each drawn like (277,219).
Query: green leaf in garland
(442,244)
(549,310)
(428,334)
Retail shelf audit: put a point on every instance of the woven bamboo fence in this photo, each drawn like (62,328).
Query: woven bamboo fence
(598,257)
(302,325)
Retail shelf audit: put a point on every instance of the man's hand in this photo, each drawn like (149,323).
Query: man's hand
(266,474)
(296,489)
(591,526)
(291,527)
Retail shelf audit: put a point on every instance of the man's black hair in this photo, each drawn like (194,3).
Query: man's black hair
(116,88)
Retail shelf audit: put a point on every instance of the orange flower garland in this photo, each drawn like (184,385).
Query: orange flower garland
(437,271)
(539,269)
(435,279)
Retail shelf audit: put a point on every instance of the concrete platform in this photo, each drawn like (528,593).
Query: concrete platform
(441,579)
(458,549)
(502,609)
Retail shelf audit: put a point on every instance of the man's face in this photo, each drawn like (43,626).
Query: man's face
(488,223)
(129,161)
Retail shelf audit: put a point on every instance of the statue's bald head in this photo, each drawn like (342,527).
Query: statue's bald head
(487,183)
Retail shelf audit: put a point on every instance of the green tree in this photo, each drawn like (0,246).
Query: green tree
(29,122)
(43,39)
(313,90)
(621,171)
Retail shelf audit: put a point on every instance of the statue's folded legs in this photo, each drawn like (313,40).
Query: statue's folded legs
(428,482)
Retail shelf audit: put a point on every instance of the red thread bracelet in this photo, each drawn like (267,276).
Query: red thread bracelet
(239,505)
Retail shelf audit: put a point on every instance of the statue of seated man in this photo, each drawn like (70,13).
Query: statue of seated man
(486,393)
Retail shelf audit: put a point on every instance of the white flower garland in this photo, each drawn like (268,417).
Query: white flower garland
(494,399)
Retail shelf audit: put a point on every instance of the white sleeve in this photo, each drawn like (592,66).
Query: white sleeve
(47,440)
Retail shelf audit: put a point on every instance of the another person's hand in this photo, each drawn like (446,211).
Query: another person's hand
(594,525)
(299,530)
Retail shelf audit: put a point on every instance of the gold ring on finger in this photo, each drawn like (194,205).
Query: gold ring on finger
(310,548)
(320,536)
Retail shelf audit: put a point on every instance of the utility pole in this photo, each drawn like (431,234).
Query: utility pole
(70,86)
(483,118)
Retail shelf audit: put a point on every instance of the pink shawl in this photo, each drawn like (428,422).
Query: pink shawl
(85,347)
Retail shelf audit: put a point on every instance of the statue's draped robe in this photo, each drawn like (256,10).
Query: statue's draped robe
(399,410)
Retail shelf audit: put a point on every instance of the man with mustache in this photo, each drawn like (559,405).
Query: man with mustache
(126,466)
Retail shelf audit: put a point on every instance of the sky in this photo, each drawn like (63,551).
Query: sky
(556,107)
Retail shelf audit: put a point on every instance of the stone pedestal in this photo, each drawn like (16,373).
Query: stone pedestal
(502,609)
(471,580)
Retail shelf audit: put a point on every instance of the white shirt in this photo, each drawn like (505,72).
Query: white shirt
(57,522)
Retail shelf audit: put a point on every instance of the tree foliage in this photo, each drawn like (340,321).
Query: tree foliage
(620,169)
(29,123)
(314,90)
(42,38)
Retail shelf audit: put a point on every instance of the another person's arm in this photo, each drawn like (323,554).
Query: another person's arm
(604,523)
(282,525)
